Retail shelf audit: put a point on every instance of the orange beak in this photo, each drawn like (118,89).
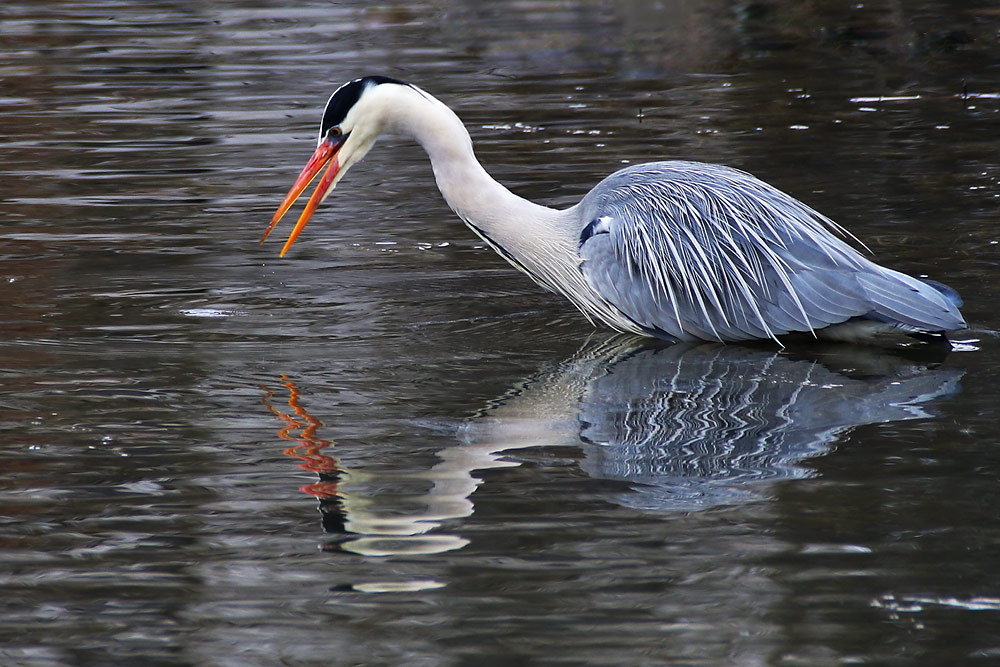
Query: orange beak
(325,153)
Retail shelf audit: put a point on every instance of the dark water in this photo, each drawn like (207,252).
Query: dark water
(391,448)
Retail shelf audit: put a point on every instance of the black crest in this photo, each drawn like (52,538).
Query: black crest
(346,97)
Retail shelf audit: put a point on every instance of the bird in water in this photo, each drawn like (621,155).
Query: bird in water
(676,250)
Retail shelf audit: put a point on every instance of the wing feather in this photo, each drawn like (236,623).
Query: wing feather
(692,251)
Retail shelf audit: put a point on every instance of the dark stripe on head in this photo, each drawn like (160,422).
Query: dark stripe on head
(346,97)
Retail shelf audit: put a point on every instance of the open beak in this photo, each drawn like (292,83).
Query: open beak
(326,153)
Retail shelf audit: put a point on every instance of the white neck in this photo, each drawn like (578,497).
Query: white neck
(469,190)
(508,222)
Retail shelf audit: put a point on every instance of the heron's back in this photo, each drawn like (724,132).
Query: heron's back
(694,251)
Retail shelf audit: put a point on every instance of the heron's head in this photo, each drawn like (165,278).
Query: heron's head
(352,121)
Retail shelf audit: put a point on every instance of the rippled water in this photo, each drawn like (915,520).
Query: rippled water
(391,448)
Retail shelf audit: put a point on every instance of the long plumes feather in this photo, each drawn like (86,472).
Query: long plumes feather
(723,243)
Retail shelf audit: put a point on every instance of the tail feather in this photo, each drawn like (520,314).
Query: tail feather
(917,306)
(945,291)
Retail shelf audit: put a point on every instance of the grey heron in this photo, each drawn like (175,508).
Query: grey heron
(681,251)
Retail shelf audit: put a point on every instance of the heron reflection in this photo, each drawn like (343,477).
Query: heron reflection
(685,427)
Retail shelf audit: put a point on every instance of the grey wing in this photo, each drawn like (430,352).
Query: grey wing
(692,251)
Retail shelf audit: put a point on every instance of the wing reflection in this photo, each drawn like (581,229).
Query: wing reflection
(687,427)
(696,426)
(710,425)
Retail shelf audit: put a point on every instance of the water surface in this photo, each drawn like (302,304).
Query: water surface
(390,447)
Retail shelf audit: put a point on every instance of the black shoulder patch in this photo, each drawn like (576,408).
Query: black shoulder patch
(601,225)
(346,97)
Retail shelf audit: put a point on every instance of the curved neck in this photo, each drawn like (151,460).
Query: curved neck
(541,241)
(483,203)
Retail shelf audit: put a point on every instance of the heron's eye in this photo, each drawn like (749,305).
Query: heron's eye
(334,132)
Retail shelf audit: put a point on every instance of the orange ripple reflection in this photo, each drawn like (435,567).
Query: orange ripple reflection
(310,445)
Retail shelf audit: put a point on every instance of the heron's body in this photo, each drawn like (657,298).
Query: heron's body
(682,251)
